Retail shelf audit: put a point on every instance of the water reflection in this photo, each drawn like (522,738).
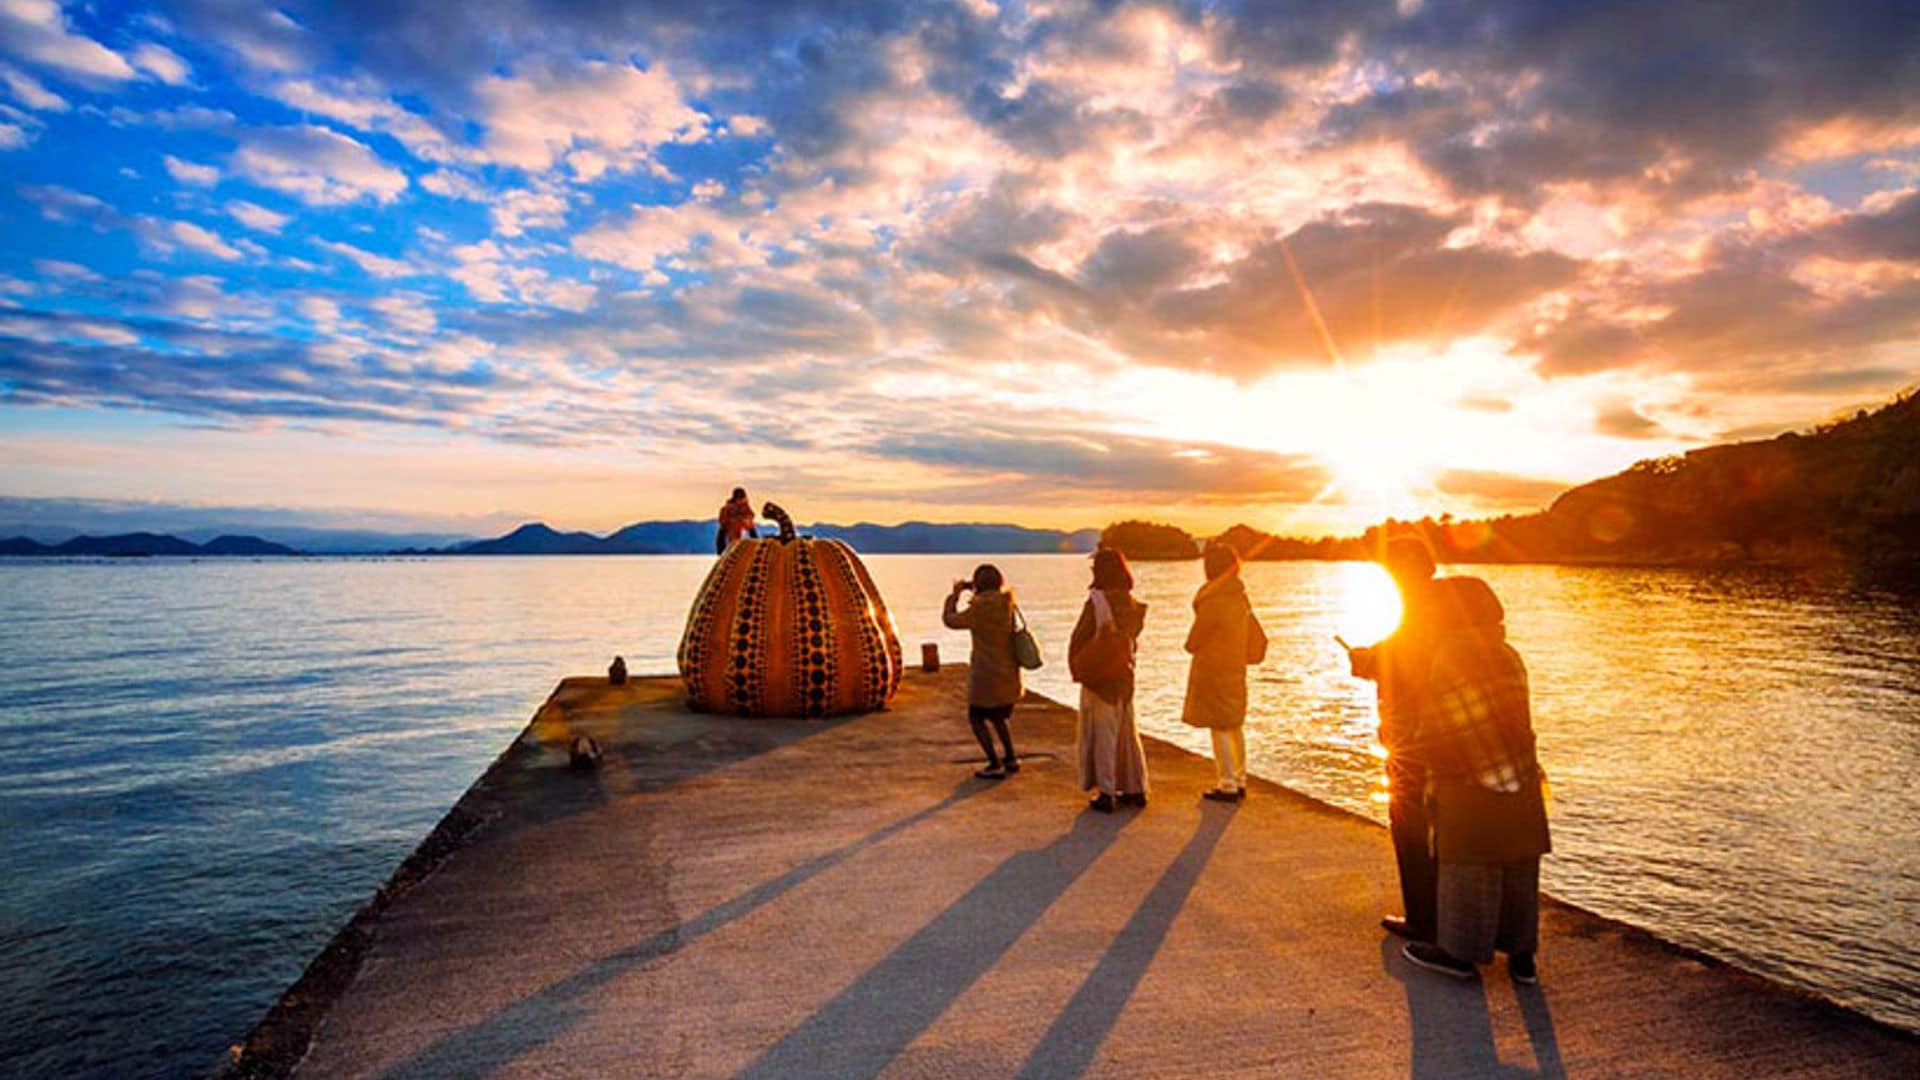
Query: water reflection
(210,764)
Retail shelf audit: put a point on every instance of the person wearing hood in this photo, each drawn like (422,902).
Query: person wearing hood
(1101,656)
(1485,791)
(993,675)
(736,522)
(1224,641)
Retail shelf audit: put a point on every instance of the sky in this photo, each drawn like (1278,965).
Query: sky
(1300,265)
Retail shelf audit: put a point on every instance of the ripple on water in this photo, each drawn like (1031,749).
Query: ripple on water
(212,764)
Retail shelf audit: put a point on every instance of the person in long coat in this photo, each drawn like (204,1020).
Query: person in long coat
(1486,794)
(993,677)
(1225,639)
(1112,762)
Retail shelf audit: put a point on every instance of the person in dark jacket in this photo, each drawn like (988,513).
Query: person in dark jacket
(1112,761)
(993,676)
(1398,667)
(1485,790)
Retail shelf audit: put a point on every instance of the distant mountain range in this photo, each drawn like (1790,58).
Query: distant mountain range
(641,538)
(696,538)
(140,544)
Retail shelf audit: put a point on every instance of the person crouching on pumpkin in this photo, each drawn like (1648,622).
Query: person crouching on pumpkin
(1101,657)
(993,676)
(1225,640)
(736,522)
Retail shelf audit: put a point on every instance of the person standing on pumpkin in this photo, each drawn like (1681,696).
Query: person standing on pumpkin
(1225,640)
(736,522)
(993,676)
(1101,657)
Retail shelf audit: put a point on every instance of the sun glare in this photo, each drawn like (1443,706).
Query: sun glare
(1369,604)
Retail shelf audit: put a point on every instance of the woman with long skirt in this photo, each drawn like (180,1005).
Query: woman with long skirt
(1112,762)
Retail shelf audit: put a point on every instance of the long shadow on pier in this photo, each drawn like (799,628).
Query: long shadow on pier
(1452,1031)
(1076,1034)
(868,1024)
(537,1020)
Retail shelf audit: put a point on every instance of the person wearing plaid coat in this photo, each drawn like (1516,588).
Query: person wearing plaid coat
(1475,737)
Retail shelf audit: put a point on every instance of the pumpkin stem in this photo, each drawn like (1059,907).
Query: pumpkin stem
(773,513)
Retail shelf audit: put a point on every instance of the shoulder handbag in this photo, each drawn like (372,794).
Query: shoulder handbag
(1256,640)
(1102,660)
(1026,649)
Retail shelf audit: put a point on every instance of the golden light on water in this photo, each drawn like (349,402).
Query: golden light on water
(1369,605)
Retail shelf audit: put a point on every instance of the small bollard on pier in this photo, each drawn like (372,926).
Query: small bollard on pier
(930,657)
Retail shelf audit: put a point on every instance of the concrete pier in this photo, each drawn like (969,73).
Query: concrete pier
(734,898)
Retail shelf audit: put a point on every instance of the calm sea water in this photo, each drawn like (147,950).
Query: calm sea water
(210,764)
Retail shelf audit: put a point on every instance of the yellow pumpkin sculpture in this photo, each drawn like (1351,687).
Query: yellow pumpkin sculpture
(789,626)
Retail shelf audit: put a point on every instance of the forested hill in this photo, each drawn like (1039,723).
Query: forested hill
(1848,490)
(1851,487)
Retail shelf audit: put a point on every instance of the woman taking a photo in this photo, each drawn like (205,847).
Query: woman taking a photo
(1100,656)
(993,676)
(1225,639)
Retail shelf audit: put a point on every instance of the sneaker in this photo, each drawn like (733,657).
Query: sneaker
(992,772)
(1397,926)
(1102,802)
(1521,969)
(1217,795)
(1011,766)
(1137,799)
(1434,958)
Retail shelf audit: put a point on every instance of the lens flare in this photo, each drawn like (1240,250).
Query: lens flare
(1369,604)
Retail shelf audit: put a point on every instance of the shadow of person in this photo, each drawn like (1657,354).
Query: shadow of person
(543,1016)
(1539,1020)
(1452,1033)
(868,1024)
(1075,1035)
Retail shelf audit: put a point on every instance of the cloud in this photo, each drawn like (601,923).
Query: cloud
(373,265)
(37,32)
(161,63)
(188,172)
(595,116)
(815,229)
(29,92)
(256,217)
(361,105)
(1107,463)
(316,165)
(205,241)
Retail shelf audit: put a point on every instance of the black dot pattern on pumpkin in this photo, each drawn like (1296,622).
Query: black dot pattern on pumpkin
(696,644)
(746,671)
(815,665)
(875,684)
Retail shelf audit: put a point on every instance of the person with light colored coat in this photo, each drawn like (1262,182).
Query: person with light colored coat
(1224,641)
